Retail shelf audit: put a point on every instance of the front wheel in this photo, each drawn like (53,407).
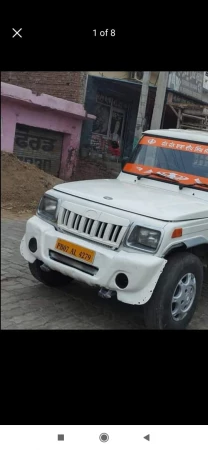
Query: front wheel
(175,297)
(48,277)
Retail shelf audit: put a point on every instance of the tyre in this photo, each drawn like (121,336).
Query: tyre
(50,278)
(175,297)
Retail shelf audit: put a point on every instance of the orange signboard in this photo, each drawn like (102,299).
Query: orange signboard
(181,177)
(173,144)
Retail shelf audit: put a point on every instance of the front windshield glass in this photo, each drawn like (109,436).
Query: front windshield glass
(182,161)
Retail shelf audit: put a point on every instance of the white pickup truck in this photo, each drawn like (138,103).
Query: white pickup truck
(142,236)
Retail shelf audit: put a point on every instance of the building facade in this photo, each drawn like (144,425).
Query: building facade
(184,88)
(67,85)
(205,82)
(41,129)
(113,97)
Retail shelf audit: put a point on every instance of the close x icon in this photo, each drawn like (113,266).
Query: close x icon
(17,33)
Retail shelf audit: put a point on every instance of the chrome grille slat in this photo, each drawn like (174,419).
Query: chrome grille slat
(114,233)
(70,221)
(101,230)
(88,227)
(76,223)
(86,224)
(94,228)
(82,224)
(117,234)
(120,236)
(109,234)
(66,218)
(98,229)
(63,216)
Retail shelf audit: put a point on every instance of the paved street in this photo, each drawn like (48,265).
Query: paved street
(27,304)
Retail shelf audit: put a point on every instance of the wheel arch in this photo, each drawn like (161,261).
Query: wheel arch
(196,246)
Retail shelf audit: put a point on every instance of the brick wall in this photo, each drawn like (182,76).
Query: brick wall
(92,170)
(67,85)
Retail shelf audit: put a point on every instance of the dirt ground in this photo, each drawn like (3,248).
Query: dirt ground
(22,186)
(16,215)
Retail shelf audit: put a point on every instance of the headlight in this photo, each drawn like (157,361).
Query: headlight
(48,207)
(144,238)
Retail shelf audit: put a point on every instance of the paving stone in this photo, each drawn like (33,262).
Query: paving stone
(28,304)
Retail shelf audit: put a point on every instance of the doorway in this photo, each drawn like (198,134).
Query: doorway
(116,125)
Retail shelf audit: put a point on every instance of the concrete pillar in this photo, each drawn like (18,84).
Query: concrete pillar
(142,106)
(159,100)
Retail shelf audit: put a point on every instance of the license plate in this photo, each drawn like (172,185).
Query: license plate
(76,251)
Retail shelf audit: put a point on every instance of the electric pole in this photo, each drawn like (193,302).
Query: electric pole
(159,100)
(142,106)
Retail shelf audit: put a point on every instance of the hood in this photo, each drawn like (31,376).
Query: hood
(138,198)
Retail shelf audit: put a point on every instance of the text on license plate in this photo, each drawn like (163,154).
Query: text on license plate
(75,250)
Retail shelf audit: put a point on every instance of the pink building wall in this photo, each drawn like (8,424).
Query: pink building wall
(19,105)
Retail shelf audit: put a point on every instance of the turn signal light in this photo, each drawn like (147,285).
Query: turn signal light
(177,233)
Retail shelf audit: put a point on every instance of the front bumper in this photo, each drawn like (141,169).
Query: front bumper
(142,270)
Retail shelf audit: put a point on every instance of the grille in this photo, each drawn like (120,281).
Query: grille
(103,232)
(79,265)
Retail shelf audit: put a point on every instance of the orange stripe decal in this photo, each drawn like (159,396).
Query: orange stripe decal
(185,178)
(175,145)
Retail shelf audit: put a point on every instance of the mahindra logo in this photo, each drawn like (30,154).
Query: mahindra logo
(92,214)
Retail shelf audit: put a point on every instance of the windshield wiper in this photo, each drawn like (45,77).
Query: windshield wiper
(181,185)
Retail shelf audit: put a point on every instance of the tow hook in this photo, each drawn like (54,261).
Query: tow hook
(106,293)
(45,268)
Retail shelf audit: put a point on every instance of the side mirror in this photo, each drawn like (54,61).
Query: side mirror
(124,161)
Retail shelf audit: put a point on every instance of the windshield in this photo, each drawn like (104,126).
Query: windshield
(182,161)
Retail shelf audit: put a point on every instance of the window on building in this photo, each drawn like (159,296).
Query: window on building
(100,125)
(116,126)
(110,117)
